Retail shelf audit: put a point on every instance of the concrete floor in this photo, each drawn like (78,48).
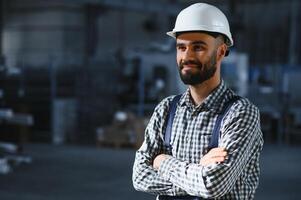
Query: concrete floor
(72,172)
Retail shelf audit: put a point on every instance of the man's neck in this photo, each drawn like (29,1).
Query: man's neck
(200,92)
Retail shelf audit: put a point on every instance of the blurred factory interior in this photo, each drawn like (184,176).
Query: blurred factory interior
(88,74)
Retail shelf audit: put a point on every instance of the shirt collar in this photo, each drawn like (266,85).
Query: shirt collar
(214,101)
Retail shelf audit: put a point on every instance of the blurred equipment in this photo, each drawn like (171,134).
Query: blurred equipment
(235,70)
(11,154)
(14,122)
(64,120)
(264,91)
(292,102)
(149,75)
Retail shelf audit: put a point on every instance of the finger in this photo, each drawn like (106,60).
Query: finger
(211,160)
(218,159)
(218,149)
(218,154)
(215,160)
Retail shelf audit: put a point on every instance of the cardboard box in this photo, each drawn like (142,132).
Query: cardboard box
(127,130)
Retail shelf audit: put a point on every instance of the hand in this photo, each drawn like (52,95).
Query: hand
(158,160)
(215,155)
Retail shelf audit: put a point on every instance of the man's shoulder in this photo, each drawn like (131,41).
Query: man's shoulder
(243,109)
(243,103)
(163,105)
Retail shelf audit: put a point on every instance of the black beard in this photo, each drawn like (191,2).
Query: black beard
(204,72)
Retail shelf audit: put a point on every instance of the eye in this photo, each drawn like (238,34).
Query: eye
(181,48)
(198,47)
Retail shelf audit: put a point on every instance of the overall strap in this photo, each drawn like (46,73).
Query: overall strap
(216,130)
(215,134)
(170,118)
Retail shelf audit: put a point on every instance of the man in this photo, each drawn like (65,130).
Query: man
(189,170)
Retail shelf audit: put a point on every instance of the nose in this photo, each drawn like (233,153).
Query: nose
(188,54)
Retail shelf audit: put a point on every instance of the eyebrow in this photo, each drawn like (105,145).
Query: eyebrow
(193,43)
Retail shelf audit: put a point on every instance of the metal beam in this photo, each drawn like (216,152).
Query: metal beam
(91,13)
(293,43)
(1,32)
(135,5)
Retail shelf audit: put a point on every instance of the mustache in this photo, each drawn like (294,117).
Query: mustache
(190,62)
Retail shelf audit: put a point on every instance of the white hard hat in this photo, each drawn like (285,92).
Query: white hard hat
(202,17)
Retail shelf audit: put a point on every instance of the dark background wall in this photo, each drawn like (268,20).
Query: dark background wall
(97,57)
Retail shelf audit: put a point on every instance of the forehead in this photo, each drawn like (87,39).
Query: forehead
(192,37)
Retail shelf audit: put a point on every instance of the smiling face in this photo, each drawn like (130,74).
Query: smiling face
(198,56)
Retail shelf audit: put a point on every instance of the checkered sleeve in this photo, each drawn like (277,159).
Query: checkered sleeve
(145,177)
(242,138)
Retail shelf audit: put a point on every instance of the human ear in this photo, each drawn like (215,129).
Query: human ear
(221,51)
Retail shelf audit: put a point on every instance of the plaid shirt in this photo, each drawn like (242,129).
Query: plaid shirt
(235,178)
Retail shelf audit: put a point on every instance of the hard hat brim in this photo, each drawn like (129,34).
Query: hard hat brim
(172,34)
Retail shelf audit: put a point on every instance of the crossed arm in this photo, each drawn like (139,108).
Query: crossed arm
(214,156)
(145,177)
(215,174)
